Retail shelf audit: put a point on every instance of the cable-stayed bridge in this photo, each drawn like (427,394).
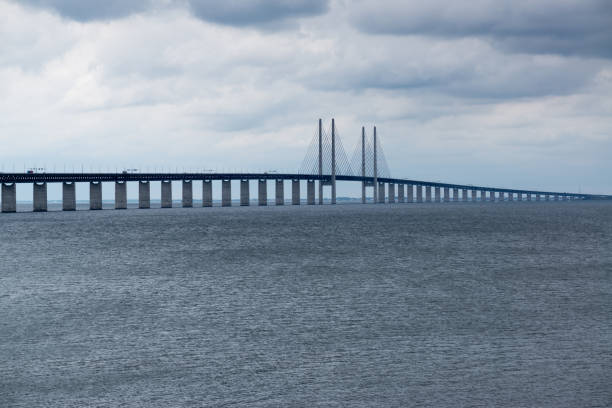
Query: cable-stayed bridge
(326,163)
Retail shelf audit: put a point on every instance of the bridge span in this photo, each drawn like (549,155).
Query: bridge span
(325,163)
(386,189)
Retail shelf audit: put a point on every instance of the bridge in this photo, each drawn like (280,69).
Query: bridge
(325,164)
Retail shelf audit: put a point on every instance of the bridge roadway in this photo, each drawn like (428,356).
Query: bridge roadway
(39,181)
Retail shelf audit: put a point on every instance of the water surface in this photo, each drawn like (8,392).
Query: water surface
(442,305)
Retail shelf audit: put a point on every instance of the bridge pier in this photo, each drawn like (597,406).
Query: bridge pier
(446,195)
(363,192)
(483,196)
(464,194)
(528,196)
(295,192)
(437,194)
(410,192)
(226,193)
(244,193)
(280,192)
(120,195)
(166,194)
(492,196)
(320,191)
(68,196)
(310,192)
(400,193)
(474,193)
(381,193)
(40,197)
(391,187)
(144,194)
(510,196)
(9,198)
(455,194)
(537,197)
(262,186)
(187,194)
(428,194)
(95,195)
(501,196)
(207,200)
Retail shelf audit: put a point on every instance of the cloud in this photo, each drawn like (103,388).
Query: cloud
(83,11)
(227,12)
(165,88)
(255,12)
(566,27)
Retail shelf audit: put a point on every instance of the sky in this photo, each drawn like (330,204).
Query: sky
(507,93)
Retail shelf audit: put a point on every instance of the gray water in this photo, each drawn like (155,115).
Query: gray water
(441,305)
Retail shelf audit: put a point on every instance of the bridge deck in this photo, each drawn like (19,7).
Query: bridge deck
(121,177)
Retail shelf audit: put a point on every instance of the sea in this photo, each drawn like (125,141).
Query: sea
(399,305)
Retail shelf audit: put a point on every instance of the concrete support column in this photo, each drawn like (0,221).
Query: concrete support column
(320,192)
(455,194)
(437,194)
(464,194)
(492,196)
(428,194)
(474,195)
(95,195)
(556,197)
(9,198)
(166,194)
(40,196)
(187,194)
(245,198)
(144,194)
(310,191)
(483,196)
(519,197)
(446,194)
(538,197)
(419,193)
(391,193)
(68,196)
(501,196)
(226,193)
(381,193)
(510,196)
(280,192)
(400,193)
(120,195)
(409,193)
(363,192)
(262,187)
(295,192)
(529,197)
(207,198)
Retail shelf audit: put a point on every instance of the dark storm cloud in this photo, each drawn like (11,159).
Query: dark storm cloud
(255,12)
(83,11)
(227,12)
(566,27)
